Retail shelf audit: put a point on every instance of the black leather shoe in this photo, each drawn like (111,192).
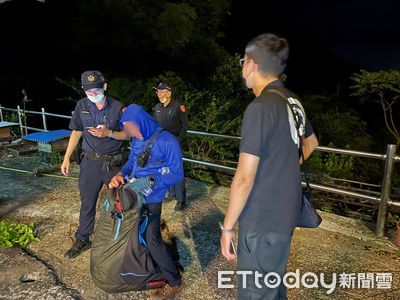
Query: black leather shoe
(78,248)
(180,206)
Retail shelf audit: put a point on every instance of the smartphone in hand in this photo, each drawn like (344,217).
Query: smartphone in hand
(233,248)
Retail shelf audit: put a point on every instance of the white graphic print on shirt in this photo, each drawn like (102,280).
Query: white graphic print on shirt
(300,116)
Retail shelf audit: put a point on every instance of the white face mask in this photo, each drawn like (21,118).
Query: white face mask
(96,99)
(248,81)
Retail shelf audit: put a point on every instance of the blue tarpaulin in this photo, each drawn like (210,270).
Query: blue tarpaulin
(47,137)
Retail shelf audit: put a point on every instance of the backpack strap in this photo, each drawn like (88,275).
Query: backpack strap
(285,96)
(153,138)
(143,157)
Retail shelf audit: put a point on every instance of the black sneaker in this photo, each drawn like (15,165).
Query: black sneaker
(180,206)
(78,248)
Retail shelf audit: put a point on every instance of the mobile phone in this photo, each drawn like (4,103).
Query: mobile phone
(90,127)
(233,247)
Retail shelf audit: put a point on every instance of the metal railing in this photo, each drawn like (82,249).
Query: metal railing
(383,199)
(22,112)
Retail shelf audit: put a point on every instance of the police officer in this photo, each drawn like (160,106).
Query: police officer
(172,116)
(96,120)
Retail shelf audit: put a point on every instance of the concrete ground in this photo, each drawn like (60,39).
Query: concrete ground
(340,245)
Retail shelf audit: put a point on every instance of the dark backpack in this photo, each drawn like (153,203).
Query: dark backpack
(119,259)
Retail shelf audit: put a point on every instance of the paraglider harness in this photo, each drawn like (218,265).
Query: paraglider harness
(119,257)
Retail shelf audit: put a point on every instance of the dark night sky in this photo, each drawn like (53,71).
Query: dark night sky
(328,39)
(364,32)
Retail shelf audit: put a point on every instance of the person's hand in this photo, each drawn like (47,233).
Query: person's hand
(100,131)
(65,167)
(226,242)
(116,181)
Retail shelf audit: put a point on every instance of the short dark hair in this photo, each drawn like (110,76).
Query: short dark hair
(270,52)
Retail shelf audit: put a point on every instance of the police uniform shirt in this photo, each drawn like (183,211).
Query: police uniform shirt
(87,115)
(172,118)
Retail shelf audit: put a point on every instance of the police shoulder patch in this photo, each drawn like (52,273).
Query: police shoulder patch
(183,109)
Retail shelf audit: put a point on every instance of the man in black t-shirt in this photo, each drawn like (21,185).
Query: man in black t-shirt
(266,191)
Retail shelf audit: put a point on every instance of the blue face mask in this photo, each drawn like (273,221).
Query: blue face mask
(96,99)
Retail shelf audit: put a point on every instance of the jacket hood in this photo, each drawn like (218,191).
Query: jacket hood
(147,125)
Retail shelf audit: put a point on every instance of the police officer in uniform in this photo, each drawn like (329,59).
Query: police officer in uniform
(96,120)
(172,116)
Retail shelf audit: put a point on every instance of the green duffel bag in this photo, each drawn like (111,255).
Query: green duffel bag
(119,259)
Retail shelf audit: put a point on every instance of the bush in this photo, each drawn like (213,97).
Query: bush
(217,106)
(13,117)
(16,234)
(56,158)
(326,166)
(382,88)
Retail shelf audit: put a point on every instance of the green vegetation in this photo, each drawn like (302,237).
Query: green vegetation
(12,117)
(16,234)
(218,107)
(383,88)
(56,158)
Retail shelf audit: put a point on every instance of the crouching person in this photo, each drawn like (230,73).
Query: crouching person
(155,153)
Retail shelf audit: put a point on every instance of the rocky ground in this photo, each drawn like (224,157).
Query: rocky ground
(41,272)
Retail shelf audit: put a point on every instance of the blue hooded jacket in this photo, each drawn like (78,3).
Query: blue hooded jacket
(165,153)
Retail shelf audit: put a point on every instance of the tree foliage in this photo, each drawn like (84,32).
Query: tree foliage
(383,88)
(217,106)
(148,33)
